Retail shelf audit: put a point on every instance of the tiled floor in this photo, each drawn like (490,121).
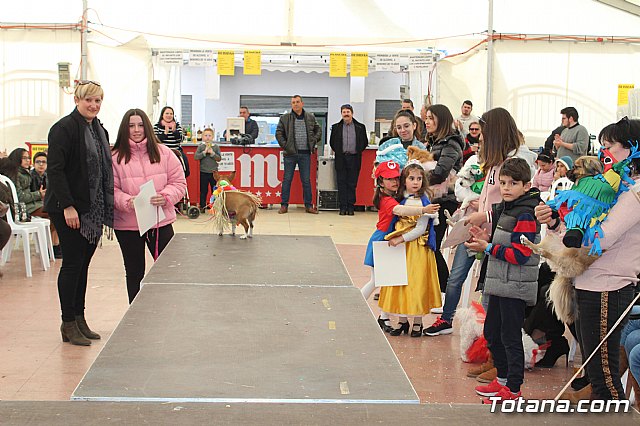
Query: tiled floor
(36,365)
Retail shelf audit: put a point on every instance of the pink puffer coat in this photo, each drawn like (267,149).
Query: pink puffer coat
(168,178)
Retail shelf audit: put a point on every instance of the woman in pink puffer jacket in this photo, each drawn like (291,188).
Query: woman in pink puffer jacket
(137,158)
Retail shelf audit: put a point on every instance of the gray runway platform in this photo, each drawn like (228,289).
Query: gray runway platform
(77,413)
(181,342)
(263,260)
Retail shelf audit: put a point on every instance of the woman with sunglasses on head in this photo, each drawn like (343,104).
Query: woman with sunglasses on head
(79,200)
(137,158)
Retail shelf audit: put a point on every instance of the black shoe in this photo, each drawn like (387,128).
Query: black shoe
(57,252)
(343,212)
(573,238)
(350,211)
(383,325)
(559,347)
(439,327)
(580,383)
(404,328)
(416,332)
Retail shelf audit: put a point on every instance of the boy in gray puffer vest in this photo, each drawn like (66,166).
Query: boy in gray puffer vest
(511,281)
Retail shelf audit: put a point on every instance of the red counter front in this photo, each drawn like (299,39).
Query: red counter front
(366,182)
(259,169)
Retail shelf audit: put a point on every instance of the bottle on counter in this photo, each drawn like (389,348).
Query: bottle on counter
(199,134)
(194,136)
(187,133)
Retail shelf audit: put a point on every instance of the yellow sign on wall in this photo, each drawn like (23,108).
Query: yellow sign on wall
(623,93)
(226,62)
(338,64)
(252,60)
(359,64)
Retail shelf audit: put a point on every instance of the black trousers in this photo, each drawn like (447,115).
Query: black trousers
(441,228)
(206,181)
(347,172)
(72,279)
(597,312)
(504,338)
(132,247)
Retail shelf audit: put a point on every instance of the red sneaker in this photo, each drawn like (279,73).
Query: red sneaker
(491,389)
(504,395)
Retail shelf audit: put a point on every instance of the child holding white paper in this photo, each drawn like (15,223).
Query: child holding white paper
(138,157)
(422,291)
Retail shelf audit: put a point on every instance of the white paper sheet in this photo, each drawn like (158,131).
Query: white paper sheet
(458,234)
(147,214)
(390,264)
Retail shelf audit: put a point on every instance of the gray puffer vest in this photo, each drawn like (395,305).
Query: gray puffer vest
(505,279)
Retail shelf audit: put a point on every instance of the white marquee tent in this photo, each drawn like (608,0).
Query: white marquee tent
(545,54)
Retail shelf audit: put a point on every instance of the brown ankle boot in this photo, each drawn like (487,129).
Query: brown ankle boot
(70,333)
(476,371)
(488,376)
(84,328)
(574,397)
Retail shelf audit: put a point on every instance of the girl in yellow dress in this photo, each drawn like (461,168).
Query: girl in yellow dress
(422,291)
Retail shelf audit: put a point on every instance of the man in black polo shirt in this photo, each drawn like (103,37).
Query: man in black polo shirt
(348,140)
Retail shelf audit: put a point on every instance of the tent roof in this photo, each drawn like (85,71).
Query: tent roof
(351,25)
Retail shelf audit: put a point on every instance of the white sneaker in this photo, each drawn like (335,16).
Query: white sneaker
(438,310)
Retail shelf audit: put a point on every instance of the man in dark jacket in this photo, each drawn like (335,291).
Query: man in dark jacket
(348,140)
(298,134)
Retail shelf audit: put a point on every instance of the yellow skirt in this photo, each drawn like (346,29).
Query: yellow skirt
(423,289)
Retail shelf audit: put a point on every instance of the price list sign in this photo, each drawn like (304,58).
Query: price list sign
(252,61)
(359,64)
(226,62)
(338,64)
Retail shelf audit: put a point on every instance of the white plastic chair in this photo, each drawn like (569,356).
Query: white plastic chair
(43,224)
(25,231)
(561,184)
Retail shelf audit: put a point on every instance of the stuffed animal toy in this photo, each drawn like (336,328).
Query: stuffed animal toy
(469,184)
(473,346)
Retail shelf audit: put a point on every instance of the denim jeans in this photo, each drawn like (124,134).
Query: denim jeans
(303,160)
(632,347)
(460,268)
(597,312)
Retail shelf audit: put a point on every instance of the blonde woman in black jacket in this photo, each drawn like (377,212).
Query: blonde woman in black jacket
(79,201)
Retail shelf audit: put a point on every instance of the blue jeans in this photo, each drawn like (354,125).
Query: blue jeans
(632,347)
(303,160)
(462,263)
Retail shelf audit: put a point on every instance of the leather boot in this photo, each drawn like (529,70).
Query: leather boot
(70,333)
(574,397)
(84,328)
(488,376)
(476,371)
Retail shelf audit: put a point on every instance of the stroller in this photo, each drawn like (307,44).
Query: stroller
(192,212)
